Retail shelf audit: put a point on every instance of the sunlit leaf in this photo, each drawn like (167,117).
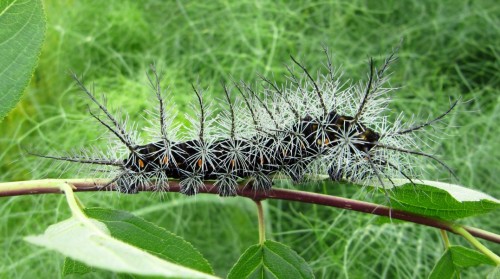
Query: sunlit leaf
(89,241)
(145,235)
(445,201)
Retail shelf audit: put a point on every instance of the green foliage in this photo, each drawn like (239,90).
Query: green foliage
(74,267)
(147,236)
(270,260)
(22,29)
(494,274)
(464,257)
(445,268)
(122,243)
(434,202)
(455,259)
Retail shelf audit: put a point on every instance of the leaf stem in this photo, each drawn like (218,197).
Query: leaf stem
(77,207)
(472,240)
(73,203)
(262,226)
(446,240)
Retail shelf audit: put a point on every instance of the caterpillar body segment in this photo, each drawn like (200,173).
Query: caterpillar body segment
(257,157)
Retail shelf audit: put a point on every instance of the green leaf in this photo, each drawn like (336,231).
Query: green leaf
(270,260)
(22,30)
(90,242)
(444,268)
(442,200)
(145,235)
(456,258)
(465,257)
(495,273)
(74,267)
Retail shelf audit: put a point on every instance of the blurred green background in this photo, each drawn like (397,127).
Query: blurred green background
(451,48)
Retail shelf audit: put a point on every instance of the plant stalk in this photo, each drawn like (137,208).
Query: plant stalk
(262,225)
(48,186)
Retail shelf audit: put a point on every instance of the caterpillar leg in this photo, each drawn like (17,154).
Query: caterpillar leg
(127,184)
(261,182)
(296,172)
(191,184)
(335,174)
(226,185)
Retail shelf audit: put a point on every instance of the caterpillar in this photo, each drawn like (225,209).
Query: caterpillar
(304,127)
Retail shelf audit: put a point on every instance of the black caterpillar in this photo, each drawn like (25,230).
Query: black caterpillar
(307,126)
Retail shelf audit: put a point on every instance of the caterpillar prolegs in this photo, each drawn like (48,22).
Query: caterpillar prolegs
(310,125)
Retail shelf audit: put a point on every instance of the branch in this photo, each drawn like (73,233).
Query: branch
(48,186)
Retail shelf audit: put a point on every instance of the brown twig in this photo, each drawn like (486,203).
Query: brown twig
(85,185)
